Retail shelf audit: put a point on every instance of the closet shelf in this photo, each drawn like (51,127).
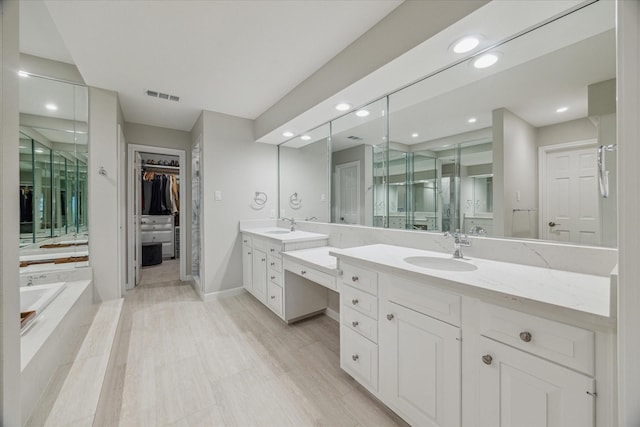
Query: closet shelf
(147,166)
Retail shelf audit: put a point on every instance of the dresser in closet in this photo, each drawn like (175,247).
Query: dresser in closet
(159,229)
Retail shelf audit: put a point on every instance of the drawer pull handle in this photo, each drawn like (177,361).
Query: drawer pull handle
(355,357)
(273,297)
(525,336)
(354,278)
(355,323)
(390,316)
(354,301)
(272,264)
(487,359)
(245,241)
(273,277)
(263,259)
(248,253)
(271,250)
(303,272)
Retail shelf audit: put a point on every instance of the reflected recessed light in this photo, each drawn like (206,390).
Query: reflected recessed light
(23,73)
(51,107)
(22,147)
(305,137)
(472,120)
(362,113)
(287,134)
(466,44)
(486,60)
(343,106)
(414,135)
(39,150)
(562,109)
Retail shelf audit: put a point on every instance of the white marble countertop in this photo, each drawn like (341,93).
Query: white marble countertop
(284,235)
(576,291)
(317,258)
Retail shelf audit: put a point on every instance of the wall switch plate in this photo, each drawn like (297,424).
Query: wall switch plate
(217,195)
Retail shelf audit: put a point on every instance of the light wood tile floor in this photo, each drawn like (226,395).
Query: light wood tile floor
(178,361)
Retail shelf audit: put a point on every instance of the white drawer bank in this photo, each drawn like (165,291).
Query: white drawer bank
(496,345)
(291,298)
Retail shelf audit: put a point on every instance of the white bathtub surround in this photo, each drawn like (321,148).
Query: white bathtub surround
(36,298)
(558,256)
(53,340)
(49,275)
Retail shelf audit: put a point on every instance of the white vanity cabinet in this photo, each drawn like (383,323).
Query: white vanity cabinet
(420,354)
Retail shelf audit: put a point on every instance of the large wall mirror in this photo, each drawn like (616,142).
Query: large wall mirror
(53,150)
(524,147)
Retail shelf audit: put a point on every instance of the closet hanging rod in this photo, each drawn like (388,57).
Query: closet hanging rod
(162,169)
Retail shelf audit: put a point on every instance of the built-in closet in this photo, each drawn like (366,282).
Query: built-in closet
(160,209)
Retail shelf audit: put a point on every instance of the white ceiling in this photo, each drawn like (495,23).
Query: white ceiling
(233,57)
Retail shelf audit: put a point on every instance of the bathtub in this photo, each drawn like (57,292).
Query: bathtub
(38,297)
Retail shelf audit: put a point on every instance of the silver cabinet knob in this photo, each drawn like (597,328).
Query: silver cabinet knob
(355,357)
(273,297)
(487,359)
(390,316)
(248,253)
(303,272)
(273,277)
(355,323)
(354,278)
(263,259)
(525,336)
(354,301)
(272,264)
(271,250)
(245,241)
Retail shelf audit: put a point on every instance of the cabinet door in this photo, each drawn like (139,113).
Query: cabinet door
(247,268)
(520,390)
(259,274)
(419,366)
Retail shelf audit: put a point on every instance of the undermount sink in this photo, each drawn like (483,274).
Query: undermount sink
(278,232)
(436,263)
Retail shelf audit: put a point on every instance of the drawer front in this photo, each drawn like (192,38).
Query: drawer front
(359,358)
(274,263)
(421,297)
(274,298)
(312,274)
(274,250)
(155,227)
(160,219)
(564,344)
(275,277)
(261,244)
(359,301)
(246,240)
(360,278)
(360,323)
(157,236)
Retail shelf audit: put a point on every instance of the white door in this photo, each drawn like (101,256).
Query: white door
(420,366)
(137,213)
(348,193)
(570,199)
(521,390)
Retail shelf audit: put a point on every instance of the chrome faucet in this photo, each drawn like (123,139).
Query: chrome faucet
(292,220)
(458,243)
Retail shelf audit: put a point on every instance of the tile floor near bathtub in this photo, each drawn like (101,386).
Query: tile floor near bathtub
(229,362)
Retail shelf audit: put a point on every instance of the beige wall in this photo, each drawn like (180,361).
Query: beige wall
(9,272)
(238,167)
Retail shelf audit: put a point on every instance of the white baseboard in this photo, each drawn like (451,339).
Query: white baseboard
(224,294)
(332,314)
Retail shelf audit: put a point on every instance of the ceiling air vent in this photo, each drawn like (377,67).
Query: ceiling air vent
(161,95)
(354,138)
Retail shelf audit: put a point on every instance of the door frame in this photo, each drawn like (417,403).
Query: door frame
(338,189)
(131,150)
(542,176)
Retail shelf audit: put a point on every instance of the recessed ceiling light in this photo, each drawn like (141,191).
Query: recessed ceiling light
(362,113)
(466,44)
(305,137)
(562,109)
(23,73)
(22,147)
(51,107)
(343,106)
(472,120)
(39,150)
(414,135)
(287,134)
(486,60)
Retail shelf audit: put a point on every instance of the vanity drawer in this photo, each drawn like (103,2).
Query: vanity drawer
(359,301)
(360,323)
(274,249)
(157,236)
(275,277)
(360,278)
(155,227)
(274,263)
(421,297)
(359,358)
(312,274)
(159,219)
(274,298)
(564,344)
